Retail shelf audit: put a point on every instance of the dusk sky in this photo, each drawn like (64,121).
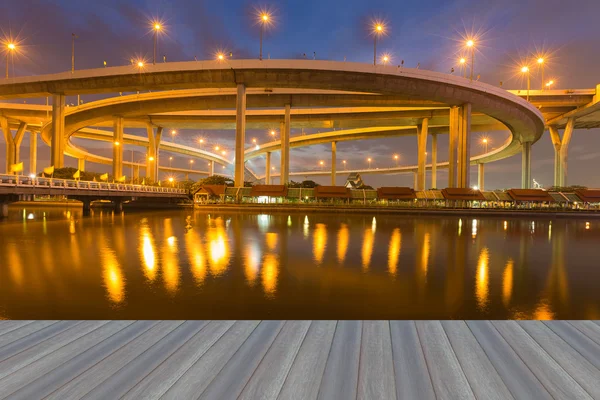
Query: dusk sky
(428,33)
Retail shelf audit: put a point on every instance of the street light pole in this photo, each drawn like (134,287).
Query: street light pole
(378,29)
(156,29)
(73,37)
(471,45)
(264,19)
(541,63)
(10,49)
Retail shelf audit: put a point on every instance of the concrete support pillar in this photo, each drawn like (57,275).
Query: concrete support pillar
(421,150)
(211,171)
(453,140)
(117,147)
(57,145)
(13,143)
(153,152)
(87,206)
(564,150)
(240,134)
(415,180)
(285,147)
(481,176)
(118,205)
(434,161)
(81,164)
(464,146)
(333,161)
(268,169)
(526,166)
(32,153)
(556,142)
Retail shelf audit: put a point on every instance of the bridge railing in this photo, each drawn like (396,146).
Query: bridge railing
(26,181)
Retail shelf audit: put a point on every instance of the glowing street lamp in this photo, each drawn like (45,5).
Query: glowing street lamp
(396,158)
(378,30)
(150,158)
(171,181)
(471,44)
(369,160)
(224,152)
(485,143)
(321,163)
(173,133)
(11,47)
(156,27)
(525,70)
(220,56)
(385,58)
(170,160)
(216,148)
(540,62)
(264,19)
(344,162)
(549,83)
(201,141)
(463,66)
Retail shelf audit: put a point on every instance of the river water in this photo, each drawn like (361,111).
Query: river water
(55,263)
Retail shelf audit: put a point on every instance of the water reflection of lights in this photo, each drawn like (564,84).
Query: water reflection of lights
(196,256)
(289,220)
(543,311)
(507,282)
(114,282)
(170,265)
(342,242)
(505,225)
(30,216)
(532,226)
(14,263)
(218,249)
(374,225)
(147,251)
(270,271)
(271,239)
(459,227)
(482,279)
(587,225)
(394,251)
(319,242)
(263,222)
(72,227)
(367,248)
(305,227)
(251,262)
(425,253)
(474,229)
(550,231)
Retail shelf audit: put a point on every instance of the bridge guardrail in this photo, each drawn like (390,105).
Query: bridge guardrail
(27,181)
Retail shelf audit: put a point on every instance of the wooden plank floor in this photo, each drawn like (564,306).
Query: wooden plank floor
(300,359)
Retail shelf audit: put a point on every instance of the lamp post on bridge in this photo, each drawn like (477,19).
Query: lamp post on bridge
(378,30)
(11,47)
(156,27)
(525,70)
(471,44)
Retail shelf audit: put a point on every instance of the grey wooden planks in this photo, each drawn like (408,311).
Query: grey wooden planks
(577,339)
(448,378)
(203,371)
(551,375)
(519,379)
(410,369)
(9,326)
(35,378)
(341,371)
(589,329)
(121,381)
(481,374)
(566,356)
(268,378)
(33,338)
(14,334)
(33,353)
(376,378)
(145,336)
(156,383)
(304,377)
(231,380)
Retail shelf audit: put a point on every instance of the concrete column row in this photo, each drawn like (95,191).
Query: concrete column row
(464,146)
(33,152)
(481,176)
(118,147)
(561,148)
(526,166)
(13,143)
(240,133)
(434,161)
(422,130)
(285,147)
(268,169)
(153,151)
(57,146)
(333,161)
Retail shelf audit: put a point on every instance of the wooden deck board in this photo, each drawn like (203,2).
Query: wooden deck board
(299,359)
(341,371)
(556,380)
(304,378)
(481,374)
(412,376)
(376,378)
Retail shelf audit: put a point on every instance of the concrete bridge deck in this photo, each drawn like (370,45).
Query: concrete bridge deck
(300,359)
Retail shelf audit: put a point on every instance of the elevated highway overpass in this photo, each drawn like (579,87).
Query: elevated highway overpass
(358,101)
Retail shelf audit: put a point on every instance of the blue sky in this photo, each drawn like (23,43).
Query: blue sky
(424,32)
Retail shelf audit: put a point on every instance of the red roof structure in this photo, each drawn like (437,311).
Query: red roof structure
(396,193)
(588,195)
(536,195)
(332,191)
(462,194)
(212,190)
(269,191)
